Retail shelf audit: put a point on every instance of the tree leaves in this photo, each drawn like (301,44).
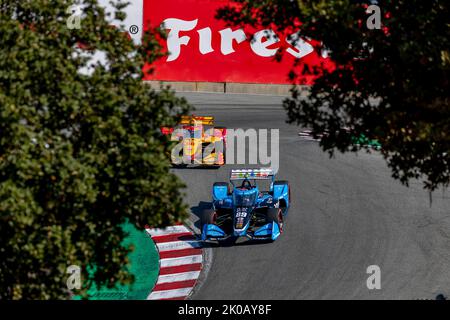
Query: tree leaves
(80,152)
(389,85)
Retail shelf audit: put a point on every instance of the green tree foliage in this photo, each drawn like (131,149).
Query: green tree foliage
(389,84)
(80,148)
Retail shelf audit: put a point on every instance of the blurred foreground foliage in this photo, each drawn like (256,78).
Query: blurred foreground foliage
(390,84)
(80,147)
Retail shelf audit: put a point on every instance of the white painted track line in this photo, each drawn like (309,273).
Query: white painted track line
(167,294)
(176,277)
(167,231)
(172,262)
(178,245)
(175,283)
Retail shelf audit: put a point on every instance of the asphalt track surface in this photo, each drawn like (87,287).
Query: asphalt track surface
(347,214)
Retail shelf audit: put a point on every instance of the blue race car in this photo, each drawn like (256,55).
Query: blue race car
(243,209)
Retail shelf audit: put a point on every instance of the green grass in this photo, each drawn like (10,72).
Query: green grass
(364,141)
(144,265)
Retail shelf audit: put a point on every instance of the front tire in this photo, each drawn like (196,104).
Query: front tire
(275,215)
(208,216)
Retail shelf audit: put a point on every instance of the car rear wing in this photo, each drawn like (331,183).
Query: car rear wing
(255,174)
(196,120)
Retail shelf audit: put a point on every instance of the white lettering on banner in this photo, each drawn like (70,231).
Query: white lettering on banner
(260,45)
(228,36)
(303,47)
(174,41)
(205,41)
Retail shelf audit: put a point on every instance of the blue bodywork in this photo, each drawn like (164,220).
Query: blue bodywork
(245,209)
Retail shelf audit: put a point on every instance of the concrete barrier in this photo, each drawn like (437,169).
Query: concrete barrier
(221,87)
(251,88)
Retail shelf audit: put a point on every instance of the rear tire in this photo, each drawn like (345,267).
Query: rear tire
(284,182)
(281,182)
(223,184)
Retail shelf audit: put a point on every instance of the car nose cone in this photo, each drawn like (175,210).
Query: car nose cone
(239,233)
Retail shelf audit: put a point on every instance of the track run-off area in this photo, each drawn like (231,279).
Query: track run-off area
(347,214)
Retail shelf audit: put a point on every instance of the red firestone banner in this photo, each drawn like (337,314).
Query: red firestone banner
(203,48)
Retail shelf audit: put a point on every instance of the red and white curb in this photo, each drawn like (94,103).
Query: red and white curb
(180,262)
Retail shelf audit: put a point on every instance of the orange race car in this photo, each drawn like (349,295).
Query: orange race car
(199,142)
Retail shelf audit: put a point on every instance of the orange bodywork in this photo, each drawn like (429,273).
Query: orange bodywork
(202,144)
